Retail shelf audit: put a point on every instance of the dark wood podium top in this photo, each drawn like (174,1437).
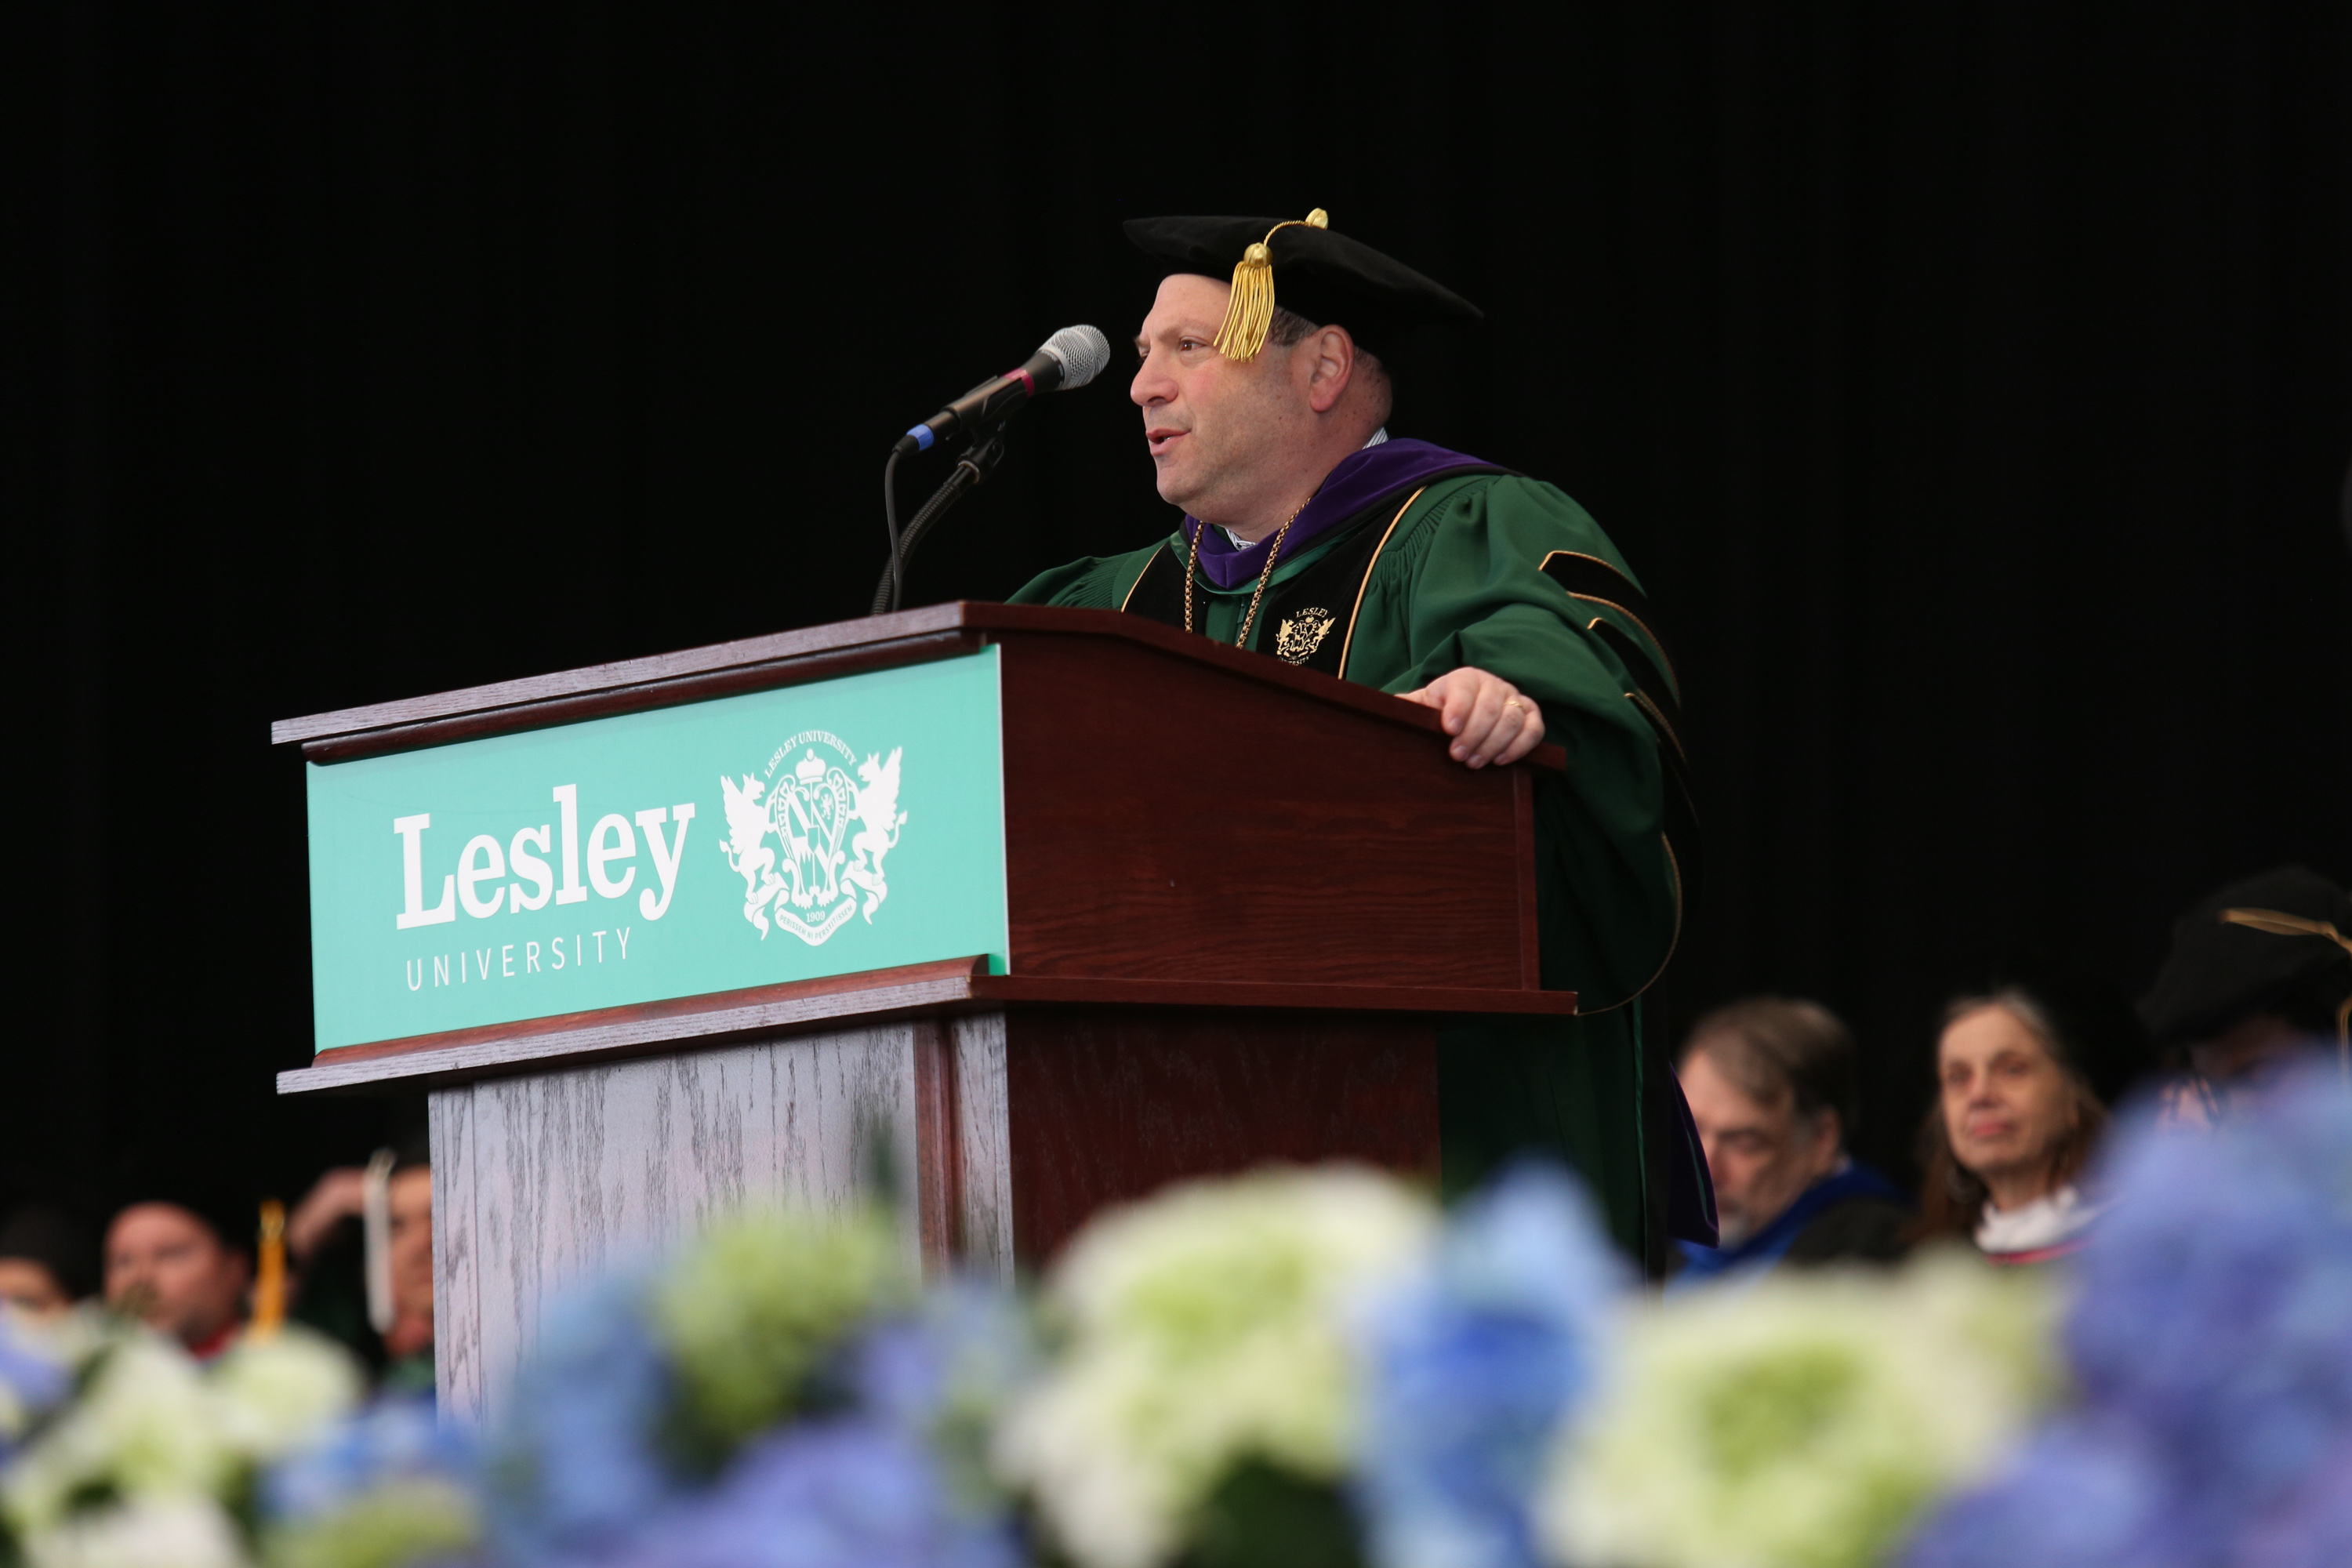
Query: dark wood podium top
(790,658)
(1186,825)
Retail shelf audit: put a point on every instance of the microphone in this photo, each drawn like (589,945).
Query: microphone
(1070,358)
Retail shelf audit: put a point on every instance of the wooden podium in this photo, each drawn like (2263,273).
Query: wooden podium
(1238,901)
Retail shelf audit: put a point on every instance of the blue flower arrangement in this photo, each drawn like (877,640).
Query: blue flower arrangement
(579,1465)
(1476,1364)
(2210,1343)
(779,1394)
(394,1485)
(843,1493)
(31,1384)
(1299,1366)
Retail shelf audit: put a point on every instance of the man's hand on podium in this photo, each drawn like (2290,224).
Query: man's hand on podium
(1491,719)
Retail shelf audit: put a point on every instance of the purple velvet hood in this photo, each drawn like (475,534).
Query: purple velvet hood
(1362,480)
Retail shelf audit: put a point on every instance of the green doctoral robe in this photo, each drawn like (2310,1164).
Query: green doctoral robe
(1460,579)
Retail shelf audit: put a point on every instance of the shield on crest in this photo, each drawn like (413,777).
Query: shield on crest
(811,811)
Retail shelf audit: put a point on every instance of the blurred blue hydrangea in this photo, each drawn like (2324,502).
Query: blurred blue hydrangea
(965,1347)
(2216,1309)
(1473,1367)
(31,1381)
(2078,1495)
(2313,1528)
(851,1492)
(578,1464)
(389,1488)
(584,1468)
(2212,1323)
(392,1439)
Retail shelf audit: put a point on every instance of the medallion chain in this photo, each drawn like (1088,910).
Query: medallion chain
(1273,555)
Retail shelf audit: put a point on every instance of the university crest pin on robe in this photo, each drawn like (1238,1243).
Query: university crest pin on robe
(1296,641)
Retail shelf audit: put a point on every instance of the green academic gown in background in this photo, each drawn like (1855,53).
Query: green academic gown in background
(1459,579)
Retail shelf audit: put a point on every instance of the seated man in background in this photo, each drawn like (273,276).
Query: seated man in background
(2259,973)
(181,1272)
(1771,1088)
(47,1262)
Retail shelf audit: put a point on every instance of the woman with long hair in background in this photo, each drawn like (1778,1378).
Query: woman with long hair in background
(2024,1086)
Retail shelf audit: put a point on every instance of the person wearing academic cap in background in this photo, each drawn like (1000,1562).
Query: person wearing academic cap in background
(2026,1073)
(2259,973)
(361,1242)
(1265,385)
(49,1261)
(182,1264)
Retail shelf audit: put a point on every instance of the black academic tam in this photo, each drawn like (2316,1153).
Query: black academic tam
(1318,273)
(2229,963)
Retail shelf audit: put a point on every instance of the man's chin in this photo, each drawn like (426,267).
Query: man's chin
(1174,490)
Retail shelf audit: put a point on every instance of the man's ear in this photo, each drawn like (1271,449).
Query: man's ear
(1329,354)
(1829,1133)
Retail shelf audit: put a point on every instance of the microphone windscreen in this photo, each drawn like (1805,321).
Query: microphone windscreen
(1081,352)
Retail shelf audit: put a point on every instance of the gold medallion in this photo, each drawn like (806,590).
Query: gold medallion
(1299,635)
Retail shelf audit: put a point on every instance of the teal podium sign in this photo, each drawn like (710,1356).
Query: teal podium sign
(816,830)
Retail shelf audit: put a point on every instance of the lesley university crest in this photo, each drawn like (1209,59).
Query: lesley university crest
(808,840)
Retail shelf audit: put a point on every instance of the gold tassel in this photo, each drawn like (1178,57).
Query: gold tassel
(2281,924)
(270,1276)
(1249,314)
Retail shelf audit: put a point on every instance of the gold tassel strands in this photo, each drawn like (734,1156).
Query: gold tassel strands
(270,1279)
(1250,312)
(2279,923)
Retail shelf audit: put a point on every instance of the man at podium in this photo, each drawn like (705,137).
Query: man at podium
(1311,536)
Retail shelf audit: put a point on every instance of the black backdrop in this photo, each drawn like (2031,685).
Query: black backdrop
(1969,384)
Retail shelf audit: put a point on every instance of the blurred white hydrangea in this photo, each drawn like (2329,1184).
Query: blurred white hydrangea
(272,1395)
(177,1532)
(752,1309)
(1803,1422)
(1205,1326)
(132,1469)
(145,1428)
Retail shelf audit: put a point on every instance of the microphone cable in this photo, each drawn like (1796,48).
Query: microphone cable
(973,467)
(888,593)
